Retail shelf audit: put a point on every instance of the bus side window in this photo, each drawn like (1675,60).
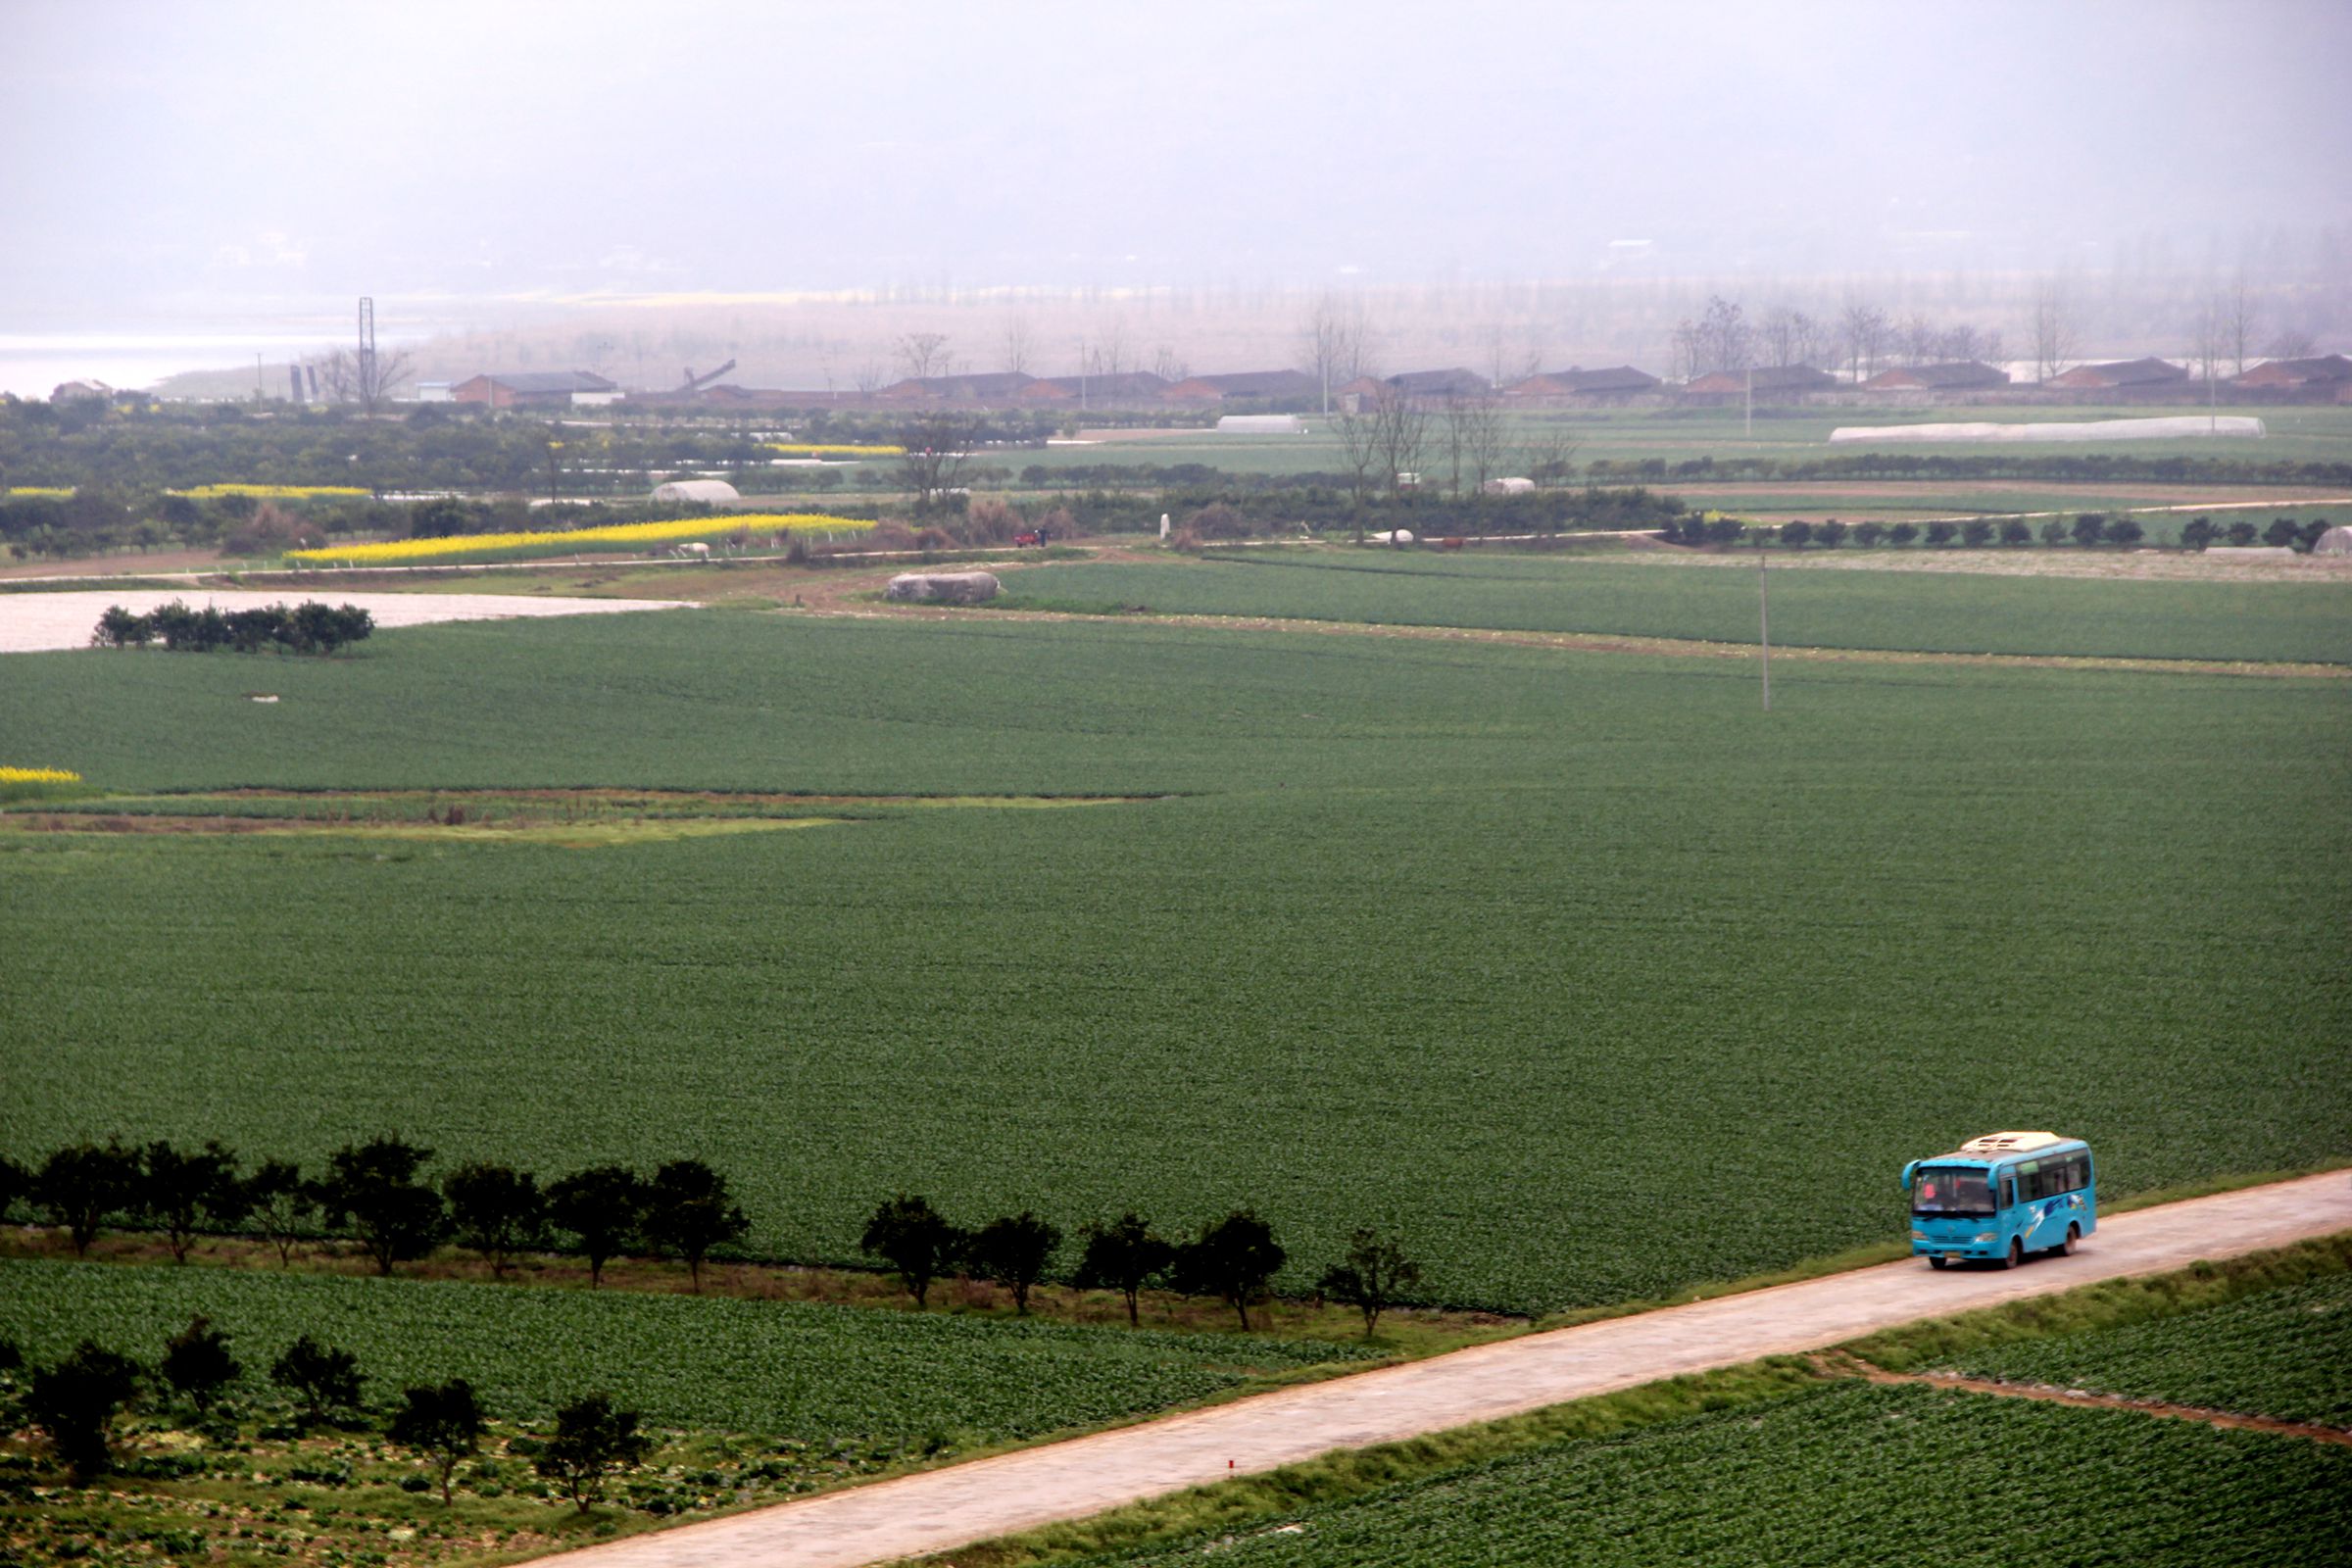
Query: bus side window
(2008,1192)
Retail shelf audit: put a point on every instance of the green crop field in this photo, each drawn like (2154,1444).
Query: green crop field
(2284,1353)
(786,1369)
(1840,1475)
(1940,611)
(1577,969)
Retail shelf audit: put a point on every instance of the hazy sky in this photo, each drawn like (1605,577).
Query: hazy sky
(171,160)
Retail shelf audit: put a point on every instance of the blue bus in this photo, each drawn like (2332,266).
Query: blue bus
(2002,1196)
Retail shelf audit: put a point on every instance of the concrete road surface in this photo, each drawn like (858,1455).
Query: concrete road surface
(966,1502)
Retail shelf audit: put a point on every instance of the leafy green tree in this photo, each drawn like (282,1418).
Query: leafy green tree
(1375,1269)
(1831,534)
(323,1381)
(2088,528)
(2014,531)
(1902,533)
(14,1182)
(197,1363)
(592,1440)
(1976,533)
(279,1202)
(75,1403)
(2124,531)
(496,1209)
(603,1206)
(1014,1252)
(1867,534)
(119,628)
(908,1235)
(2198,533)
(1235,1259)
(397,1217)
(444,1424)
(1124,1255)
(181,1189)
(1941,533)
(688,1212)
(84,1185)
(2241,533)
(1796,535)
(2283,533)
(2054,531)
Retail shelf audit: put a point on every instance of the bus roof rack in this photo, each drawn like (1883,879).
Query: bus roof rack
(2008,1143)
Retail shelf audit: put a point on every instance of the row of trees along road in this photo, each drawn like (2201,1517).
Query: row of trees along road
(1232,1259)
(76,1402)
(376,1193)
(683,1211)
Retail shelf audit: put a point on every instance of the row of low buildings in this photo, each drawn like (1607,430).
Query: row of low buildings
(2327,378)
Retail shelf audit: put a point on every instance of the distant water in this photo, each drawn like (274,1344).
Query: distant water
(32,364)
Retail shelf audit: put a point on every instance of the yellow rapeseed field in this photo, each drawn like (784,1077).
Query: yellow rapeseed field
(822,449)
(38,775)
(270,492)
(56,492)
(395,551)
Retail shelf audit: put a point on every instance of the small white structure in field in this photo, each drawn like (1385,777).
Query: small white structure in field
(1509,487)
(1262,424)
(2337,541)
(943,587)
(709,490)
(1399,536)
(696,548)
(1163,526)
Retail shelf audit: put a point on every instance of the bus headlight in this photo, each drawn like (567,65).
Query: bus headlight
(1919,1236)
(1984,1236)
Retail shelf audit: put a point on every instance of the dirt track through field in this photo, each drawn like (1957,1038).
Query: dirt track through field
(1842,1364)
(941,1509)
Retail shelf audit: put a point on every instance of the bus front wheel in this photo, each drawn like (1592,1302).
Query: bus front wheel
(2016,1253)
(1937,1260)
(2074,1234)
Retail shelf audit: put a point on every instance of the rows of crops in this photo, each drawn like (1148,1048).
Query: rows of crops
(521,546)
(790,1369)
(2284,1352)
(1507,950)
(1848,1475)
(1938,612)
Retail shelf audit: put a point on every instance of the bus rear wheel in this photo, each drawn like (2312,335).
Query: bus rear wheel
(2016,1253)
(1937,1260)
(2074,1234)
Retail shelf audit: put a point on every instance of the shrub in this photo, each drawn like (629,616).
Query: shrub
(1831,534)
(2122,532)
(2053,532)
(75,1403)
(1795,535)
(2242,533)
(1976,532)
(2089,527)
(891,534)
(2015,532)
(2198,533)
(2282,532)
(1942,533)
(1867,534)
(1218,520)
(323,1380)
(197,1363)
(1902,533)
(989,521)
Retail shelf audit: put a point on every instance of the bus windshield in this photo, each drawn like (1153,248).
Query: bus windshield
(1951,1190)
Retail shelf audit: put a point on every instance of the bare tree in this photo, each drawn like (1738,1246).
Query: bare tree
(1863,329)
(1359,446)
(867,377)
(1788,336)
(1725,341)
(368,380)
(1020,346)
(1169,365)
(1400,431)
(1332,344)
(1687,356)
(924,355)
(1108,356)
(2051,328)
(1920,339)
(1481,442)
(2208,338)
(2292,343)
(1550,453)
(2240,310)
(935,450)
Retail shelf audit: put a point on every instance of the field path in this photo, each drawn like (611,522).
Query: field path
(954,1506)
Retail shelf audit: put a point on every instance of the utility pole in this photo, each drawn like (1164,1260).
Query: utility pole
(1764,622)
(1752,406)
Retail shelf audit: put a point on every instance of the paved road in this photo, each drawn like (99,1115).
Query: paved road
(951,1507)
